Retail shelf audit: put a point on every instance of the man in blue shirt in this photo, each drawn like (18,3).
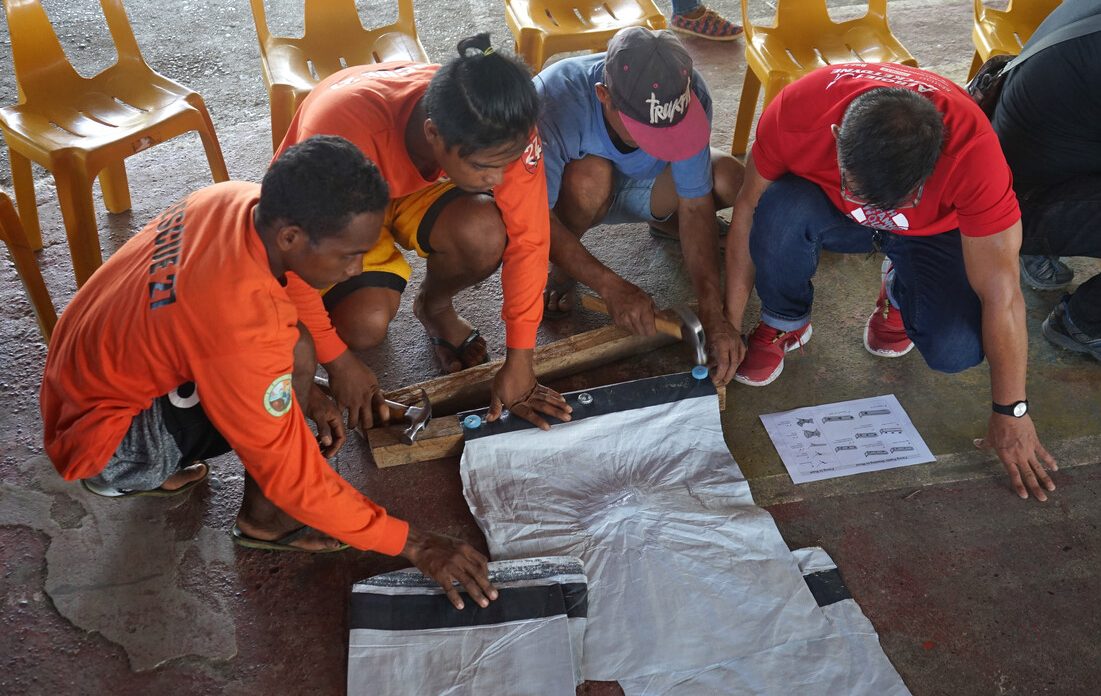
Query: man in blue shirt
(626,138)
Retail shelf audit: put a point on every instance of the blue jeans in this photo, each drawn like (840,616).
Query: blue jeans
(795,221)
(684,6)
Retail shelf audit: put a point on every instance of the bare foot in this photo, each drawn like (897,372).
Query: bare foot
(185,476)
(446,325)
(560,295)
(310,541)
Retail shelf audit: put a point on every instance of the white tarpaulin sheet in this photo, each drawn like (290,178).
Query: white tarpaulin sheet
(686,574)
(407,638)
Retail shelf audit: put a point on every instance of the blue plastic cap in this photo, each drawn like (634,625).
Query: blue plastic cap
(700,372)
(472,421)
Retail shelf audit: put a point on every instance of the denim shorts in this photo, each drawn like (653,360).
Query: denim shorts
(631,201)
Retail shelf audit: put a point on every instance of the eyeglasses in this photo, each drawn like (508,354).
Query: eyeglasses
(848,195)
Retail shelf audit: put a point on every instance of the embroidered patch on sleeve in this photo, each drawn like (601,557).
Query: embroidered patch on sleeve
(277,399)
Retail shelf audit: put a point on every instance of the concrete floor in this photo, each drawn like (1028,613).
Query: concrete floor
(972,590)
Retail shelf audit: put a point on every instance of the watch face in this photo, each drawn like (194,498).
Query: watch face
(1020,409)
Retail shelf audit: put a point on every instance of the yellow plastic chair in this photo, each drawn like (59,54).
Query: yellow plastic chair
(543,28)
(803,39)
(1004,32)
(13,236)
(333,39)
(79,128)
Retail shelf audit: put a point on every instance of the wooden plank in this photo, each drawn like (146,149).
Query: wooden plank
(443,437)
(469,389)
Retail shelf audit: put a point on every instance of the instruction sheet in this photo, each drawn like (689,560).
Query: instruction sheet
(850,437)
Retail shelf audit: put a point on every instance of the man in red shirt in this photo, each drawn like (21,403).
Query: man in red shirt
(192,339)
(861,157)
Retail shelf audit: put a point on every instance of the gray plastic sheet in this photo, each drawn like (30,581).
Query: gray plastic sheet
(686,574)
(406,638)
(847,661)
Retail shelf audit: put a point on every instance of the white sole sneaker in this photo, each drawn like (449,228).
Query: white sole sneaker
(882,353)
(779,368)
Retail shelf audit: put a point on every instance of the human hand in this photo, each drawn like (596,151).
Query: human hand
(515,388)
(630,308)
(448,561)
(1015,442)
(326,416)
(725,347)
(355,387)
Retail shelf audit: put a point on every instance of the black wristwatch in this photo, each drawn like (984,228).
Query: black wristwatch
(1017,409)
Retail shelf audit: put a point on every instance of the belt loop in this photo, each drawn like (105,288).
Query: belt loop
(877,243)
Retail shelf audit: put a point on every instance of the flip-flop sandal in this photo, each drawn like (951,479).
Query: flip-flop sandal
(560,288)
(724,227)
(108,492)
(283,543)
(459,351)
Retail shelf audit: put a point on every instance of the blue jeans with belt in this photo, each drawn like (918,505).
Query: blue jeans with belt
(795,221)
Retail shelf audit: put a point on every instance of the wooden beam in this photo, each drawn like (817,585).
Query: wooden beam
(442,437)
(469,389)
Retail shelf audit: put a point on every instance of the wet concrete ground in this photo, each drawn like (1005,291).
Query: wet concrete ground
(971,590)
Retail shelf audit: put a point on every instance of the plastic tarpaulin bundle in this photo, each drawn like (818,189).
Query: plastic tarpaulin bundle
(407,638)
(686,574)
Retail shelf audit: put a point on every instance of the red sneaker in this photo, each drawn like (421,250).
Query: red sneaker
(764,360)
(884,334)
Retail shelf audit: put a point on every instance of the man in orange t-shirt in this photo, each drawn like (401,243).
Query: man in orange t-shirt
(458,147)
(193,339)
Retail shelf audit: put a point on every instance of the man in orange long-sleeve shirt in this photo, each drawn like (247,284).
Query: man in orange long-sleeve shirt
(203,333)
(458,147)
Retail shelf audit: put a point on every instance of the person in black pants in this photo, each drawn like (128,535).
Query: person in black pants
(1049,122)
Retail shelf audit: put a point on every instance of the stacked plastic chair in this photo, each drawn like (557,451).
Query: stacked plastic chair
(14,238)
(543,28)
(80,128)
(1004,32)
(803,39)
(334,38)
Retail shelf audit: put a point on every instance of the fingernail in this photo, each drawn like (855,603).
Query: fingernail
(484,603)
(459,606)
(493,594)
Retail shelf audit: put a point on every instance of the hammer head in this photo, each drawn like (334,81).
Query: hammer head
(692,333)
(418,416)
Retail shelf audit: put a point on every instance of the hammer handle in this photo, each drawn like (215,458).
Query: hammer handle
(665,326)
(397,411)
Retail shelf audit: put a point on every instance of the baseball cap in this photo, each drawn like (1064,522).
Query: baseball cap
(649,76)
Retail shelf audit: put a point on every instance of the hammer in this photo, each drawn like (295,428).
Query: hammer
(689,330)
(417,415)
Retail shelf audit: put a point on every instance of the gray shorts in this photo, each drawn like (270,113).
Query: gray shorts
(170,435)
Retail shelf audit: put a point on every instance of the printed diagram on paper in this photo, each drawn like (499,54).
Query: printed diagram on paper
(850,437)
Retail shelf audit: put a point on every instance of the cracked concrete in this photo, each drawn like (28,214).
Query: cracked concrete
(157,609)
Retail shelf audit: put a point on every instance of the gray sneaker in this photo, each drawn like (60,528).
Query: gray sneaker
(1060,330)
(1045,272)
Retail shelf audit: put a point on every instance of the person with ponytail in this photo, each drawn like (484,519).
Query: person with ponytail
(458,146)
